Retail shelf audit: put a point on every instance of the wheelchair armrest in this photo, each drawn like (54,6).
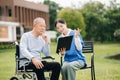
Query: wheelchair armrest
(48,57)
(22,59)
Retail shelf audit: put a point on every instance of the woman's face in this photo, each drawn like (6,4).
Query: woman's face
(61,27)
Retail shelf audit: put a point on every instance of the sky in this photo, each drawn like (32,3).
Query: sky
(75,3)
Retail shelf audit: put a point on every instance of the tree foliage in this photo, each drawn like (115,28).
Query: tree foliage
(73,18)
(92,13)
(101,22)
(53,8)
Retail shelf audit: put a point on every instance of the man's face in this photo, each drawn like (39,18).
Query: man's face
(40,27)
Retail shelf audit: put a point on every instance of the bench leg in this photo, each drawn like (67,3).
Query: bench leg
(93,73)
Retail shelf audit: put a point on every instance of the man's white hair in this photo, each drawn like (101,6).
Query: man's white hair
(37,20)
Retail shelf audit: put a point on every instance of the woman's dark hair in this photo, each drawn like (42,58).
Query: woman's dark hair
(59,20)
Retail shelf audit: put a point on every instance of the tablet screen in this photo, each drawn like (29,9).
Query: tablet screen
(64,42)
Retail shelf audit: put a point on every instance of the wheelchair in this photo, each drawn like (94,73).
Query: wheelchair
(23,73)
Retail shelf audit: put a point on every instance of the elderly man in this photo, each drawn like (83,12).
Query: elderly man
(32,44)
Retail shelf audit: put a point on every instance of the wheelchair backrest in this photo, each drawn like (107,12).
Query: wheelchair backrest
(17,51)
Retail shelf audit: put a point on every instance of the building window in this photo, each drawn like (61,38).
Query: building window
(9,11)
(1,11)
(18,33)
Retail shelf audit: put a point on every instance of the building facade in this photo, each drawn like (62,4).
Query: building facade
(23,13)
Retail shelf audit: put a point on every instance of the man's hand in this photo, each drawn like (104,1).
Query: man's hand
(62,51)
(45,37)
(38,64)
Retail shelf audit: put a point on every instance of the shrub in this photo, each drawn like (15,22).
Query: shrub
(117,34)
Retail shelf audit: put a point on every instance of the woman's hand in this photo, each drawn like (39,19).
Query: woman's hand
(62,51)
(77,31)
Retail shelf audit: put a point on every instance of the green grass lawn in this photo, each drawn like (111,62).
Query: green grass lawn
(106,69)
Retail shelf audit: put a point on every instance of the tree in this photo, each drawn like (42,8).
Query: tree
(101,21)
(113,16)
(53,8)
(73,18)
(93,15)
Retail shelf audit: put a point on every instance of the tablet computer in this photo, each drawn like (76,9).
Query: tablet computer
(64,42)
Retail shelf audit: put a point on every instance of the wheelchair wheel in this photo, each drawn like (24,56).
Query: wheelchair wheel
(14,78)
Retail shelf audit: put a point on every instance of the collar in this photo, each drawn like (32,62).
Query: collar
(69,30)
